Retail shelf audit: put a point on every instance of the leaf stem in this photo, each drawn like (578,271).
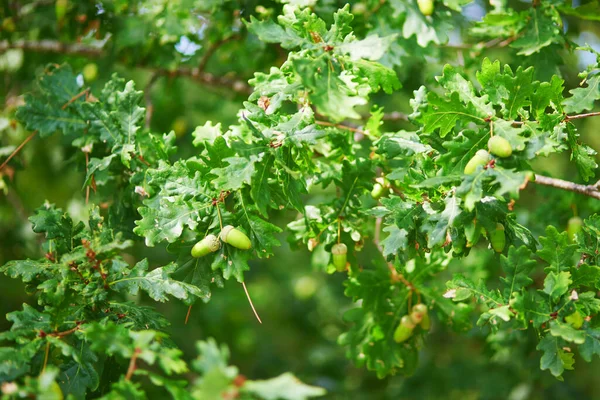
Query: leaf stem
(131,368)
(47,353)
(251,304)
(187,316)
(15,151)
(219,215)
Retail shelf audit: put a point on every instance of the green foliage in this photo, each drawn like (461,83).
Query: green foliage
(449,227)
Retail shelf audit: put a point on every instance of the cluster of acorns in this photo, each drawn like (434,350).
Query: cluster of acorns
(229,235)
(497,145)
(418,316)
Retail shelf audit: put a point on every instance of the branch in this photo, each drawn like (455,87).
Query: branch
(14,153)
(567,118)
(395,116)
(579,116)
(53,46)
(131,368)
(588,190)
(213,47)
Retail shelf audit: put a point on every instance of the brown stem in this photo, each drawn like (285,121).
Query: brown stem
(64,333)
(588,190)
(14,153)
(74,98)
(131,368)
(187,316)
(578,116)
(250,301)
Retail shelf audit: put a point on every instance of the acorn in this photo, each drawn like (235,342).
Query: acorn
(209,244)
(235,237)
(499,146)
(573,228)
(426,7)
(482,157)
(420,315)
(339,252)
(404,330)
(498,238)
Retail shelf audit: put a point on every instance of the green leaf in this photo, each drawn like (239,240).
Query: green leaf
(517,267)
(583,98)
(284,387)
(554,358)
(557,284)
(567,332)
(157,283)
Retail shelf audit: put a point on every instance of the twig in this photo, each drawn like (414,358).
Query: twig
(64,333)
(53,46)
(251,304)
(213,47)
(131,368)
(579,116)
(83,92)
(15,151)
(148,99)
(187,316)
(395,116)
(588,190)
(340,126)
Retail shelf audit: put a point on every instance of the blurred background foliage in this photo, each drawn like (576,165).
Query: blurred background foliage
(300,305)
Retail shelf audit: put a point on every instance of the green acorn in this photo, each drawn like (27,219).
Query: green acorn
(235,237)
(339,252)
(482,157)
(573,228)
(90,72)
(575,320)
(377,191)
(420,314)
(499,146)
(60,8)
(209,244)
(404,330)
(425,6)
(498,238)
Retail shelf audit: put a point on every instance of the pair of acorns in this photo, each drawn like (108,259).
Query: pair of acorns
(229,235)
(497,145)
(418,316)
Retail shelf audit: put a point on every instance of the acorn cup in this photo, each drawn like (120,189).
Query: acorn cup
(209,244)
(420,316)
(235,237)
(498,238)
(339,252)
(404,330)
